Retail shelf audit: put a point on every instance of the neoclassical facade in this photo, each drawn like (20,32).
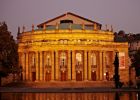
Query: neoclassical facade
(70,48)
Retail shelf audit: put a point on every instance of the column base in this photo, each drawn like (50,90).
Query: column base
(36,81)
(73,80)
(52,81)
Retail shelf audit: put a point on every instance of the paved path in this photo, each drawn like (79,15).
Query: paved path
(65,90)
(66,87)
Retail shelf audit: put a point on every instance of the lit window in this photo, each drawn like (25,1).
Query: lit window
(65,41)
(78,58)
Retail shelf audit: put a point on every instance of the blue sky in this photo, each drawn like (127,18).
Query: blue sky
(122,14)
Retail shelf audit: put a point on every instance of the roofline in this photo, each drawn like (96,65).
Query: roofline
(65,15)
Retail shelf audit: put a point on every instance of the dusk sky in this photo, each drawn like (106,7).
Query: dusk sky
(122,14)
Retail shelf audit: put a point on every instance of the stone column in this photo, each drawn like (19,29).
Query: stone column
(69,65)
(27,67)
(52,62)
(89,65)
(104,65)
(101,65)
(43,64)
(37,67)
(73,66)
(98,66)
(85,65)
(41,67)
(23,59)
(112,64)
(56,66)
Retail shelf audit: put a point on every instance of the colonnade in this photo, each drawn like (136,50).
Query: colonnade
(73,65)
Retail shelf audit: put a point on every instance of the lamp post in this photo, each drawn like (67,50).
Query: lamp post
(116,76)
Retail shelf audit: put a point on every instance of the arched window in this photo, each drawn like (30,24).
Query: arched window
(93,59)
(63,59)
(78,58)
(48,62)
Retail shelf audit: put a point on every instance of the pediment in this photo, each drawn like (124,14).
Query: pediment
(76,19)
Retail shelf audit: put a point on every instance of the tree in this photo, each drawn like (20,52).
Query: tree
(8,51)
(136,62)
(121,33)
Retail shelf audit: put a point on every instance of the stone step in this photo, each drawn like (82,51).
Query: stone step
(70,84)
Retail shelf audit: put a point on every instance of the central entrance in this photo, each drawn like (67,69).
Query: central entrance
(48,76)
(79,76)
(33,76)
(63,76)
(93,75)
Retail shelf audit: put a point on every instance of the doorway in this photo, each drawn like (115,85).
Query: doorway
(48,76)
(33,76)
(93,75)
(63,75)
(78,75)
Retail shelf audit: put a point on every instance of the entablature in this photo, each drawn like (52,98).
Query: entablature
(98,36)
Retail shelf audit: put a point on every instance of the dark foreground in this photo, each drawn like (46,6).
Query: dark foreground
(71,96)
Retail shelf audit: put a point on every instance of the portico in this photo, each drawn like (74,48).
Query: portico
(70,48)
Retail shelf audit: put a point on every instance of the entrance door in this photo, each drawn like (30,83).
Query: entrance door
(93,75)
(79,76)
(33,76)
(63,76)
(48,76)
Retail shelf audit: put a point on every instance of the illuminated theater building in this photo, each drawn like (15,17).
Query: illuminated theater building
(70,48)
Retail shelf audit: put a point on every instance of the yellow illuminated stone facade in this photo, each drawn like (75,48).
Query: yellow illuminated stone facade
(70,48)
